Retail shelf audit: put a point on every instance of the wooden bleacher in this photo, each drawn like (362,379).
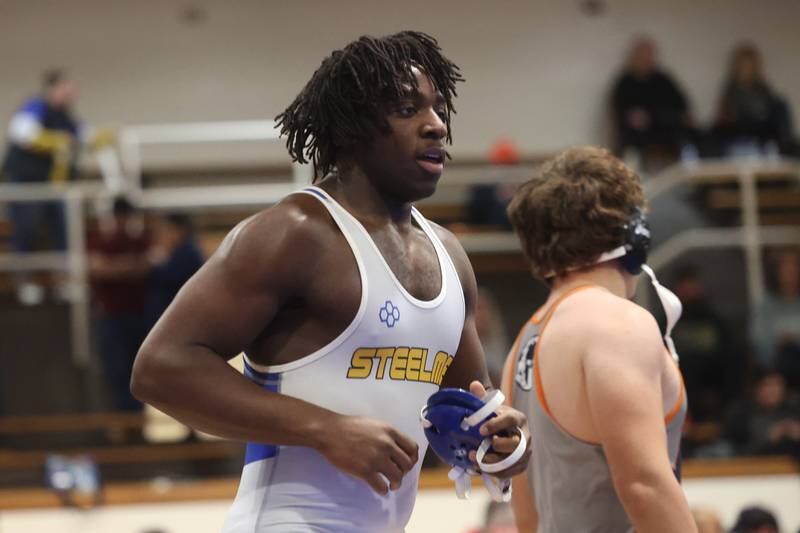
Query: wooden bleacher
(125,455)
(778,206)
(197,450)
(225,488)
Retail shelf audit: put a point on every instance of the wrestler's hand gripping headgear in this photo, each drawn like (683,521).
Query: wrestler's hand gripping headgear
(452,419)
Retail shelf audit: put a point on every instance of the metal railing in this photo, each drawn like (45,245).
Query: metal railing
(750,236)
(133,138)
(71,262)
(122,171)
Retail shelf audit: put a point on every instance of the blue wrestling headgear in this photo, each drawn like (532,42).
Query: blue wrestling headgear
(452,419)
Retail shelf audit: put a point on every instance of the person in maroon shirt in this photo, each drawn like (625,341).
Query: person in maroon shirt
(118,267)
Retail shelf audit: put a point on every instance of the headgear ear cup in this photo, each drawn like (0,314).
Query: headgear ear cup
(444,413)
(451,419)
(637,243)
(633,256)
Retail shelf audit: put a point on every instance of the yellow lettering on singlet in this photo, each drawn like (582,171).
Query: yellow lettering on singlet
(383,354)
(414,362)
(399,359)
(361,363)
(446,366)
(424,375)
(440,364)
(407,364)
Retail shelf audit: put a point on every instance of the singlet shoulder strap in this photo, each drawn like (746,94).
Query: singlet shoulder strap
(542,315)
(541,319)
(344,220)
(446,263)
(316,192)
(676,407)
(337,214)
(336,211)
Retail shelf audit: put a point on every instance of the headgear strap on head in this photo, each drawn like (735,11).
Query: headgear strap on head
(451,419)
(633,251)
(633,256)
(672,308)
(636,244)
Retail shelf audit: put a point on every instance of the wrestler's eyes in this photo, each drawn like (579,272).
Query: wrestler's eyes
(406,111)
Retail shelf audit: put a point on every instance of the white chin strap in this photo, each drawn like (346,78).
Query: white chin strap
(499,489)
(669,301)
(616,253)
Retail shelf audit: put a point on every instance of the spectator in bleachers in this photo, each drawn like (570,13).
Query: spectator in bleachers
(756,520)
(650,110)
(750,113)
(42,140)
(117,268)
(768,422)
(701,338)
(776,321)
(176,257)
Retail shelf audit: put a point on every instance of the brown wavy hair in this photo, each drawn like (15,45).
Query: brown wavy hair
(574,209)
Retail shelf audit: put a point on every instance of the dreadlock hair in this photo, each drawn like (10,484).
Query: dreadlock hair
(345,102)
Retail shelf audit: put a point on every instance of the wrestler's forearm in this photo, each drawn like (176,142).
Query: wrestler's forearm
(197,387)
(524,505)
(655,503)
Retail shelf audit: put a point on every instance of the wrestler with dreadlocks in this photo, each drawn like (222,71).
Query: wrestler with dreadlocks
(351,308)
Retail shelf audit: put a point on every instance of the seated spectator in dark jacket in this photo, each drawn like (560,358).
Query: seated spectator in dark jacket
(176,258)
(775,325)
(701,338)
(650,109)
(117,269)
(750,112)
(768,423)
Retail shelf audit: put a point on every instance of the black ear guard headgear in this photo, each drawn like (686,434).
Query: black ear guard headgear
(635,245)
(632,256)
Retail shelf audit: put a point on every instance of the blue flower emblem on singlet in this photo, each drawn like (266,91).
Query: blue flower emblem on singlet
(389,314)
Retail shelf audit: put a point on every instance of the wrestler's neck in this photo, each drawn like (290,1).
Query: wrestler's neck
(609,276)
(359,194)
